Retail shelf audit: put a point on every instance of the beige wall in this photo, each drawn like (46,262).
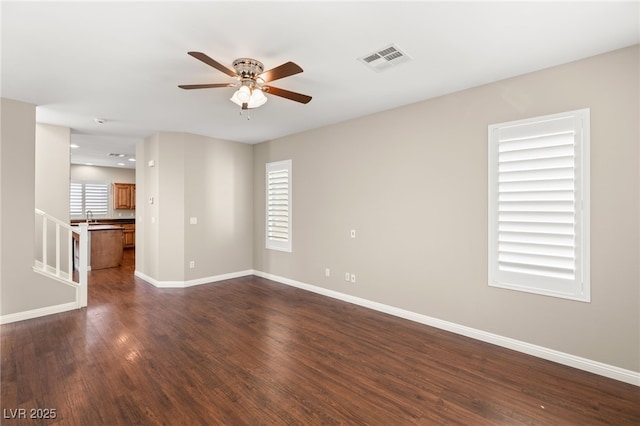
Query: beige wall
(52,186)
(52,169)
(21,289)
(413,183)
(200,177)
(147,181)
(218,192)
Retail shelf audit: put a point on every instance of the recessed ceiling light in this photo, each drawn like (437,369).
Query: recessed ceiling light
(132,159)
(120,164)
(73,145)
(88,164)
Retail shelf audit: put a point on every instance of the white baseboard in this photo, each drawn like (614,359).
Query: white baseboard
(596,367)
(36,313)
(190,283)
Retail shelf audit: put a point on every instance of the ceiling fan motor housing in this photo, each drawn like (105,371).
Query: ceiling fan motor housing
(248,68)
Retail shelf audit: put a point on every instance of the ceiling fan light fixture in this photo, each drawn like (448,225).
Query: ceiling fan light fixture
(244,94)
(257,99)
(238,98)
(235,99)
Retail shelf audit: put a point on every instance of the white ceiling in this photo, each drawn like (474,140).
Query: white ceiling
(122,61)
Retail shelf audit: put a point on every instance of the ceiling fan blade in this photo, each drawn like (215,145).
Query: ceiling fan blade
(207,60)
(204,86)
(298,97)
(284,70)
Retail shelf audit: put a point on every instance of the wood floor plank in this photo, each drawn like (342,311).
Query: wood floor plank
(250,351)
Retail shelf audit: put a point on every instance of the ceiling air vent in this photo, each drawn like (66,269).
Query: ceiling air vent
(385,58)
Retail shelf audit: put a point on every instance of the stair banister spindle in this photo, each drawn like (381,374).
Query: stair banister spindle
(58,249)
(44,242)
(70,254)
(83,253)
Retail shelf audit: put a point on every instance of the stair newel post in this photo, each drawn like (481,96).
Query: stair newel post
(83,262)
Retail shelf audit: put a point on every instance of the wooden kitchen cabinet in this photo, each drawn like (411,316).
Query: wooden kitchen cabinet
(124,196)
(129,235)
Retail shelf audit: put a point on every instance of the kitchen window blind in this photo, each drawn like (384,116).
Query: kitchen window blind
(538,205)
(76,208)
(278,208)
(85,196)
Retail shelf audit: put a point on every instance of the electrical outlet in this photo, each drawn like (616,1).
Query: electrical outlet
(327,272)
(347,276)
(353,233)
(192,264)
(353,278)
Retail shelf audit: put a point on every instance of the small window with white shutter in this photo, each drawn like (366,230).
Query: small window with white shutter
(278,208)
(86,196)
(539,205)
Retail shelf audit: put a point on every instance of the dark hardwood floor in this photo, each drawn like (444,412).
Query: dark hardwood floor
(250,351)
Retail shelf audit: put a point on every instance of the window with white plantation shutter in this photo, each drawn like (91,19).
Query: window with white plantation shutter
(539,205)
(76,207)
(86,196)
(278,208)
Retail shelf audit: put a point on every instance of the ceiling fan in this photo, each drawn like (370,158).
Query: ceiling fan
(251,81)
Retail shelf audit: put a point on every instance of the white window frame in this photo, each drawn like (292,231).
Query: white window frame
(521,260)
(103,213)
(275,240)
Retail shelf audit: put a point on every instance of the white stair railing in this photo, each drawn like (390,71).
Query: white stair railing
(56,248)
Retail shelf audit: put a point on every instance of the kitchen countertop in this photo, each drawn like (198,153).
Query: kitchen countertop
(105,221)
(100,227)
